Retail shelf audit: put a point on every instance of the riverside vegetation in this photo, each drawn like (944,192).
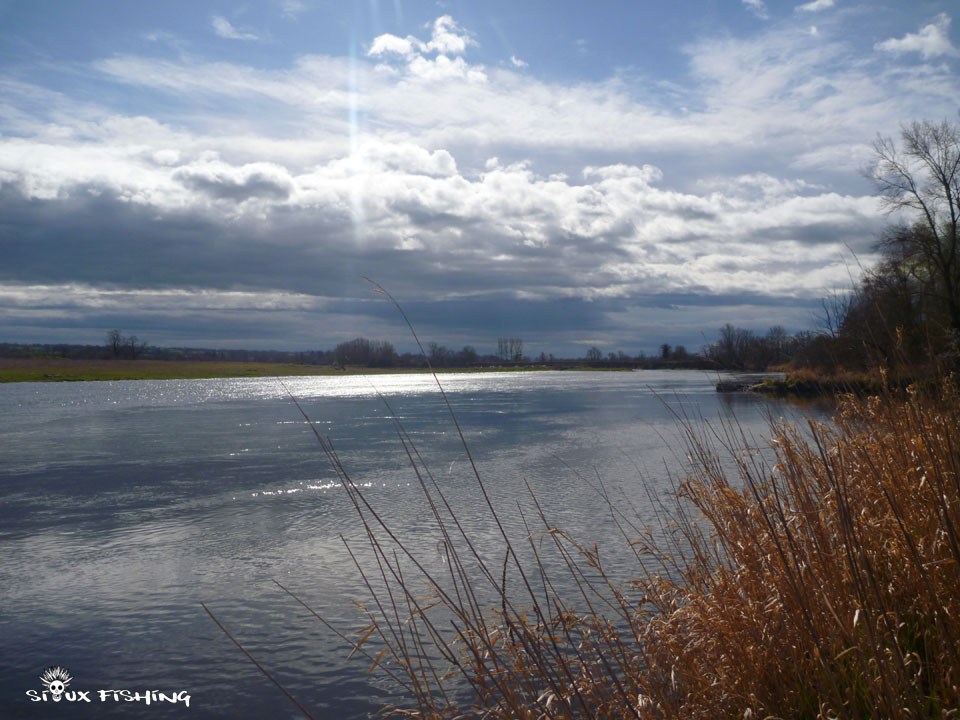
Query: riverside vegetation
(823,582)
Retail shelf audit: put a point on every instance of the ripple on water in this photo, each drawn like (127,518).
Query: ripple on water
(126,505)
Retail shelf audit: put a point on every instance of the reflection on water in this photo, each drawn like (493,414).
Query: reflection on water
(126,504)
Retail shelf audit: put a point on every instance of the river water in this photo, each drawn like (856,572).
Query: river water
(124,505)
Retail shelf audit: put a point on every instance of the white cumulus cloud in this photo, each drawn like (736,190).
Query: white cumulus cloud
(931,41)
(816,5)
(223,28)
(439,58)
(447,38)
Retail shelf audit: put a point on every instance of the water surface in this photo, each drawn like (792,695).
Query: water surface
(126,504)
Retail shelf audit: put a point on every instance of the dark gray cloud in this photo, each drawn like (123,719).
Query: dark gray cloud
(156,264)
(221,187)
(100,239)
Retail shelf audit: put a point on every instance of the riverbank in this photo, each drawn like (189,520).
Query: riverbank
(808,384)
(79,370)
(817,387)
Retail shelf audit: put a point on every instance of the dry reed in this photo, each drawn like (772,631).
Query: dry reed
(823,585)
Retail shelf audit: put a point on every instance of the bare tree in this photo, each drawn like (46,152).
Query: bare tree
(122,346)
(922,175)
(115,342)
(361,351)
(777,340)
(135,347)
(510,349)
(833,309)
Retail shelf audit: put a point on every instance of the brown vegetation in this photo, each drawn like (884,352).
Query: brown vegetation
(829,585)
(825,584)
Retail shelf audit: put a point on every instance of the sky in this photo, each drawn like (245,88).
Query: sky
(610,174)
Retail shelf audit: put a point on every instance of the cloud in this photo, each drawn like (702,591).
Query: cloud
(388,44)
(757,7)
(405,211)
(446,38)
(931,41)
(778,87)
(608,198)
(291,9)
(816,6)
(223,182)
(163,37)
(517,62)
(223,28)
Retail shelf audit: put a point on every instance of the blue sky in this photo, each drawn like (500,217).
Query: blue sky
(617,174)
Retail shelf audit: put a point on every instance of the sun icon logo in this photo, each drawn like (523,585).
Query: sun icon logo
(56,680)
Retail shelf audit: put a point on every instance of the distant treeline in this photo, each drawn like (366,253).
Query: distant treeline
(360,351)
(736,349)
(742,349)
(851,323)
(149,352)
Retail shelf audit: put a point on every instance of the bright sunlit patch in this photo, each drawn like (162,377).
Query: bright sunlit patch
(323,487)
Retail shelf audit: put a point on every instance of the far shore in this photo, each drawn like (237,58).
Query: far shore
(46,369)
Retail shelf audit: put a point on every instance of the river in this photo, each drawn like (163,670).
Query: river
(124,505)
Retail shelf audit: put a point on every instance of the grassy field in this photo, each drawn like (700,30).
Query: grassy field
(64,369)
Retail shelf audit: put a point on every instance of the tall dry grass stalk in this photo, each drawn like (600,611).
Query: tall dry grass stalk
(823,585)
